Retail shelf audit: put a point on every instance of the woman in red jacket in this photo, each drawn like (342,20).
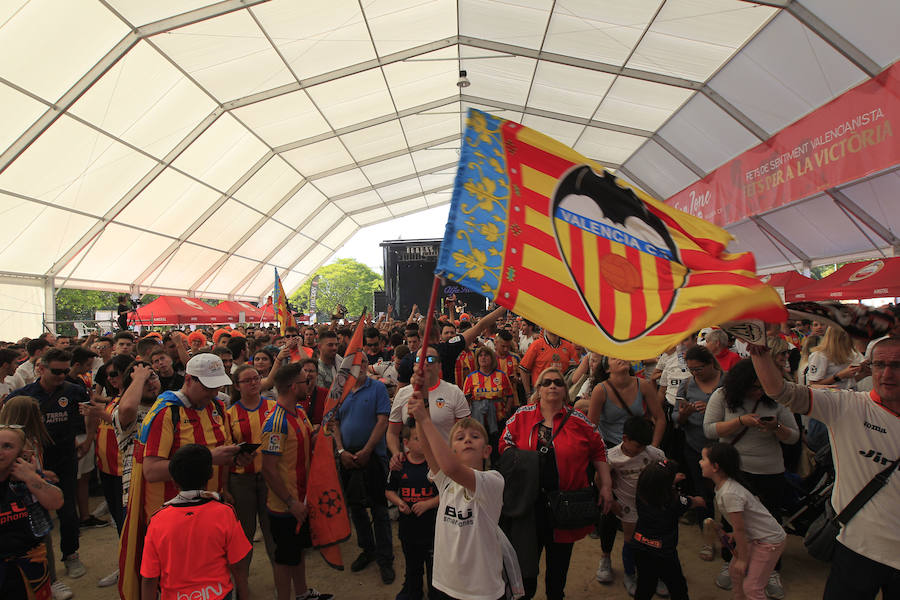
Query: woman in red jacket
(567,446)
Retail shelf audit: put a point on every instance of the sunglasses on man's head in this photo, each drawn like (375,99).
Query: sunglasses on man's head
(555,381)
(429,359)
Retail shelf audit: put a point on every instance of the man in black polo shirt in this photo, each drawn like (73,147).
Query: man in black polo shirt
(58,400)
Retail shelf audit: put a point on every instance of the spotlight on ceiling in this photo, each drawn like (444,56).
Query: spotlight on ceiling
(463,81)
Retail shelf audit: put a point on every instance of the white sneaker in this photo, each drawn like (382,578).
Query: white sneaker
(60,591)
(604,570)
(774,589)
(723,579)
(111,579)
(661,589)
(74,567)
(101,511)
(630,584)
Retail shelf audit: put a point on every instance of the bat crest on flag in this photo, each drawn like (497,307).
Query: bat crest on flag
(617,252)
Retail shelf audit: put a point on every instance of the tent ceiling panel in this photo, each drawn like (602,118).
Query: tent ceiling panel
(260,285)
(422,79)
(37,234)
(229,56)
(54,43)
(524,21)
(749,238)
(325,220)
(317,37)
(608,147)
(706,134)
(386,170)
(296,245)
(432,125)
(284,118)
(400,24)
(319,157)
(225,226)
(569,90)
(692,38)
(115,255)
(503,77)
(561,131)
(784,73)
(401,189)
(269,185)
(432,181)
(337,236)
(169,204)
(371,216)
(353,98)
(146,101)
(375,140)
(659,170)
(878,197)
(873,31)
(304,203)
(76,167)
(503,113)
(222,153)
(311,261)
(228,275)
(640,104)
(348,181)
(407,206)
(261,243)
(19,112)
(599,30)
(433,157)
(141,13)
(180,269)
(819,228)
(359,201)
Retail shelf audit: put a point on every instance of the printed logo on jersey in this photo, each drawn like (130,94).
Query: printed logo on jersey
(876,456)
(460,517)
(440,402)
(274,443)
(63,401)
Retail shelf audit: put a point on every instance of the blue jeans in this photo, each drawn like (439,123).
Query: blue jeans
(364,490)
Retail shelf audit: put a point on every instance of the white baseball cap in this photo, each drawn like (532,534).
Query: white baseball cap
(208,368)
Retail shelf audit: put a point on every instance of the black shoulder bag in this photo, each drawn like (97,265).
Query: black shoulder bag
(820,539)
(570,509)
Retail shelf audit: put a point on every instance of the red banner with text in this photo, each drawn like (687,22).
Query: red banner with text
(850,137)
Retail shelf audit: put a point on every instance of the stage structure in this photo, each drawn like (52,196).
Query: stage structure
(408,272)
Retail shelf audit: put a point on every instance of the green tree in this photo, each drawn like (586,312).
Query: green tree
(75,305)
(347,281)
(824,271)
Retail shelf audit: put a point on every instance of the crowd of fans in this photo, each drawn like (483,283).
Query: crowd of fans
(512,427)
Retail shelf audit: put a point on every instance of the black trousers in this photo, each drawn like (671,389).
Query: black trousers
(419,558)
(112,492)
(651,567)
(62,461)
(556,557)
(855,576)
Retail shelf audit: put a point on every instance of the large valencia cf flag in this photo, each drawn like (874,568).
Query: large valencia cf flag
(552,236)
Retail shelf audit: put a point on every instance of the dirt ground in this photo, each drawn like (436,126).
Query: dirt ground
(804,577)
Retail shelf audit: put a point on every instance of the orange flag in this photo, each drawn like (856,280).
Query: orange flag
(329,522)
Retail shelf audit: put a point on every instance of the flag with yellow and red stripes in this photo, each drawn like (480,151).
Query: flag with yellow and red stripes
(554,237)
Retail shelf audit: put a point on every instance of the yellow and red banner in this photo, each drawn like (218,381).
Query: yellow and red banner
(850,137)
(552,236)
(282,312)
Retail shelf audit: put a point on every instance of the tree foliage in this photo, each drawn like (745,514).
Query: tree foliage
(347,281)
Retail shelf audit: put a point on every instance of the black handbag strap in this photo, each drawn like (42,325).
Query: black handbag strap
(865,494)
(546,449)
(744,431)
(619,398)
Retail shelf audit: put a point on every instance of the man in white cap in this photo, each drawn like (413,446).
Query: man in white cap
(192,415)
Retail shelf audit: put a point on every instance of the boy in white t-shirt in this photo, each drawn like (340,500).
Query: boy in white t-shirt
(468,560)
(626,461)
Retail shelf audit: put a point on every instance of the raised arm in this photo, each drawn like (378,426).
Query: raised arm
(436,449)
(473,332)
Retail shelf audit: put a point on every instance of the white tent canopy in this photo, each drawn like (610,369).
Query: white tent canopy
(187,147)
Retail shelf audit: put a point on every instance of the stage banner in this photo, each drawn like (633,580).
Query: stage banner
(850,137)
(551,235)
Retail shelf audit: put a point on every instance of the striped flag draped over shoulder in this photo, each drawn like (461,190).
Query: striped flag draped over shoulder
(552,236)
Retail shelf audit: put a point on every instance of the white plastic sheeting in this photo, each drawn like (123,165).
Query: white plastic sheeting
(188,146)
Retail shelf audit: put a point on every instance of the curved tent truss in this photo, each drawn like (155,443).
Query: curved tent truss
(187,147)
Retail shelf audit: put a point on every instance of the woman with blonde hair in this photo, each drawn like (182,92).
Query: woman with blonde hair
(834,361)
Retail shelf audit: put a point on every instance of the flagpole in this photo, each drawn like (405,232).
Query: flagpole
(426,335)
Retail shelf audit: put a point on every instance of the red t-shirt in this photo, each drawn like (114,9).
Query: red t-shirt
(190,546)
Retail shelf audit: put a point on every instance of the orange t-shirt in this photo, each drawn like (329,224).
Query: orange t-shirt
(190,546)
(542,355)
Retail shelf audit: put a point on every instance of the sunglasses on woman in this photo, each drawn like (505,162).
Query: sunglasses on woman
(429,359)
(556,381)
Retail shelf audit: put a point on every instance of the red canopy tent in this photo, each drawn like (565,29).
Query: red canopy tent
(252,314)
(855,281)
(175,310)
(789,281)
